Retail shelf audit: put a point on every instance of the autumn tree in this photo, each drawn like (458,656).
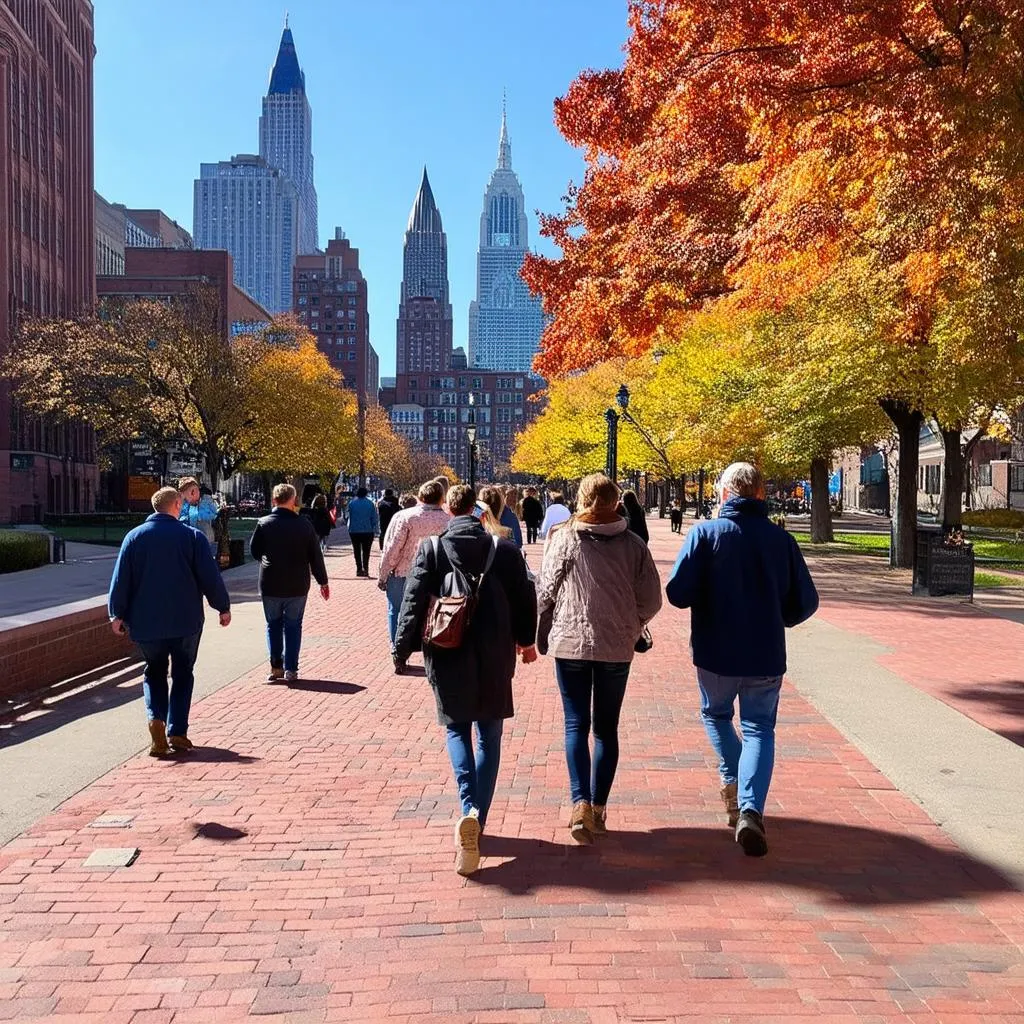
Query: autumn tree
(386,453)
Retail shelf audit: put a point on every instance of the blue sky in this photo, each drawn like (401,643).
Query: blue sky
(393,85)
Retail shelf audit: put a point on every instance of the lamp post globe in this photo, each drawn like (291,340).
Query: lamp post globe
(622,397)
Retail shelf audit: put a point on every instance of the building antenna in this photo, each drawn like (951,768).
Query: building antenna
(285,19)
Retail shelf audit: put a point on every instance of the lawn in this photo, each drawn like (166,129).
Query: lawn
(993,580)
(986,550)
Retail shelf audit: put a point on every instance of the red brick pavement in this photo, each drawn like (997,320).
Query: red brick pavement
(299,869)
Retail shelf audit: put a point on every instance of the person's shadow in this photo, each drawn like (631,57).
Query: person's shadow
(853,865)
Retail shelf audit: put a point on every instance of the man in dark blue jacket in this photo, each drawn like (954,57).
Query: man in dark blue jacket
(745,581)
(163,571)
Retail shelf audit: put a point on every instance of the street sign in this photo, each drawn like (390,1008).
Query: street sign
(144,461)
(183,460)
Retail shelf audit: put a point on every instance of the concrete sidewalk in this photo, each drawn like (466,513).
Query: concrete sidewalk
(84,574)
(300,866)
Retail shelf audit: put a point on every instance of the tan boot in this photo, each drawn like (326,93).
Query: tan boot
(467,842)
(731,801)
(600,821)
(181,743)
(158,738)
(581,824)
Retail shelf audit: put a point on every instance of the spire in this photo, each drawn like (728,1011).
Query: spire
(504,146)
(425,215)
(286,76)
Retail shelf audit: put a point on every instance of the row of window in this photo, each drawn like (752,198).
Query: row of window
(930,478)
(448,383)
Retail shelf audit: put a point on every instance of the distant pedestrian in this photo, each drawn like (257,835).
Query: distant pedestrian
(363,526)
(510,515)
(557,512)
(407,529)
(288,550)
(386,509)
(493,519)
(675,515)
(598,589)
(745,581)
(445,485)
(472,682)
(198,510)
(407,500)
(533,514)
(636,518)
(163,571)
(321,519)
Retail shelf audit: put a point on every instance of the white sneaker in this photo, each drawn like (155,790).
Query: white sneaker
(291,677)
(467,842)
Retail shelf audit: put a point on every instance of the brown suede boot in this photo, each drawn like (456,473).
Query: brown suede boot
(581,824)
(731,801)
(600,821)
(158,746)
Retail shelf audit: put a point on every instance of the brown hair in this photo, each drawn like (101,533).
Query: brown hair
(319,501)
(461,498)
(431,493)
(556,498)
(407,500)
(597,492)
(444,484)
(165,498)
(493,499)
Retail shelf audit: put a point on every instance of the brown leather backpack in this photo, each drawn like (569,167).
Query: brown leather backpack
(450,613)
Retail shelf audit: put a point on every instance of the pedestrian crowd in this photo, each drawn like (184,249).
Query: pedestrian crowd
(458,589)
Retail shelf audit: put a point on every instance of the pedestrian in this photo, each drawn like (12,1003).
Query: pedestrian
(407,500)
(636,518)
(386,508)
(407,529)
(745,581)
(321,519)
(510,515)
(363,526)
(288,550)
(598,589)
(557,512)
(445,484)
(533,514)
(675,515)
(163,571)
(472,682)
(493,517)
(198,510)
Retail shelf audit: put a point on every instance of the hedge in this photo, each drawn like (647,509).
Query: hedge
(997,518)
(21,550)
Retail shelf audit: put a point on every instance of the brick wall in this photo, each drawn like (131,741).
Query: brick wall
(41,649)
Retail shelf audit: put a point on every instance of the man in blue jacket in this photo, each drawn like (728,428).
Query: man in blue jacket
(363,526)
(745,581)
(163,571)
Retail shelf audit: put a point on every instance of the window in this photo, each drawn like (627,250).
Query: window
(1017,478)
(302,300)
(413,383)
(985,475)
(351,357)
(932,479)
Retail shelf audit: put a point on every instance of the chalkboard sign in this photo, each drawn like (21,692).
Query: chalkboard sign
(950,570)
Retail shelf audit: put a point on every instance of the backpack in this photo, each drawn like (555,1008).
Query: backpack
(449,615)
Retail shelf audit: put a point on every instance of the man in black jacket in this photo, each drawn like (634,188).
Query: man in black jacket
(386,509)
(533,514)
(473,682)
(287,548)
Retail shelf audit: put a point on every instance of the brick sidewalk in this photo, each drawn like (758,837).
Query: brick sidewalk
(299,869)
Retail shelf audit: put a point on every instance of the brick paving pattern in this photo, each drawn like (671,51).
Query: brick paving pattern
(299,868)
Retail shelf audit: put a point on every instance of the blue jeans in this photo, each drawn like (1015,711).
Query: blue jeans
(475,775)
(284,630)
(173,708)
(395,591)
(604,683)
(750,762)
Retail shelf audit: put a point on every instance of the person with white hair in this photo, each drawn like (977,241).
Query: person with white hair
(745,582)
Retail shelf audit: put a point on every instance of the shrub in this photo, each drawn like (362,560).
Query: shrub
(996,518)
(20,550)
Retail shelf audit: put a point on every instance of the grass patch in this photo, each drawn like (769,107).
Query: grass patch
(20,550)
(993,580)
(985,550)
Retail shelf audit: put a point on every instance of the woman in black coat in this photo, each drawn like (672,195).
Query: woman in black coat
(634,514)
(473,682)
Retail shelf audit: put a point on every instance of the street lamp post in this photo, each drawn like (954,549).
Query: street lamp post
(471,435)
(611,465)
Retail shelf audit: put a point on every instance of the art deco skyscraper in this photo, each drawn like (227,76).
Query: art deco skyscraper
(505,320)
(424,310)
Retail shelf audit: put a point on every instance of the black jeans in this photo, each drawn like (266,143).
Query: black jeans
(362,543)
(531,533)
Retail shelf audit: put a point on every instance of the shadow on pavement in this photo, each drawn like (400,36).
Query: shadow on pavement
(323,686)
(214,830)
(1003,697)
(853,865)
(213,755)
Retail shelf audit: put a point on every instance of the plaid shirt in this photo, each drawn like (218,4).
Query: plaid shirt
(406,531)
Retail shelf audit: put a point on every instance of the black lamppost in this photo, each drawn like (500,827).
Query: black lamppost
(471,435)
(611,417)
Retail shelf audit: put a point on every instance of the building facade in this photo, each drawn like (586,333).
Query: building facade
(154,228)
(110,237)
(330,298)
(249,208)
(505,320)
(47,235)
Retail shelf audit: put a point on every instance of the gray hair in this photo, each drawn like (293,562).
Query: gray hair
(741,480)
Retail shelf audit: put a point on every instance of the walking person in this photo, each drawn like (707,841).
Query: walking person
(386,509)
(472,682)
(636,518)
(321,519)
(198,510)
(675,515)
(288,550)
(163,571)
(745,581)
(427,518)
(509,515)
(363,526)
(533,514)
(557,512)
(598,589)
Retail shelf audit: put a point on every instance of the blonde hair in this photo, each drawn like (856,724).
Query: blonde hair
(597,492)
(282,494)
(186,482)
(493,498)
(165,498)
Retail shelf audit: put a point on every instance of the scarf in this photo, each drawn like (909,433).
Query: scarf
(597,516)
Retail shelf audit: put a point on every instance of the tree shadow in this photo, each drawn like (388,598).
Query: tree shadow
(1003,697)
(848,863)
(323,686)
(212,755)
(214,830)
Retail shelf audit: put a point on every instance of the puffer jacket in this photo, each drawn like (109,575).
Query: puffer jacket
(600,587)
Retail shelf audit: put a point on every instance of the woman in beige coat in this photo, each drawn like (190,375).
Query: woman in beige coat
(598,589)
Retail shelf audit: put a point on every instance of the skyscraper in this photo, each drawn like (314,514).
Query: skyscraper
(424,309)
(505,320)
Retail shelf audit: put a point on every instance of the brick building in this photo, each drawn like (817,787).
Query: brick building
(47,240)
(330,298)
(156,225)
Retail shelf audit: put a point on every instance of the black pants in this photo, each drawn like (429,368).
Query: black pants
(361,546)
(531,533)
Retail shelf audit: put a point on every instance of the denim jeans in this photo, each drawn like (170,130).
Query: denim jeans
(750,762)
(284,630)
(476,774)
(604,683)
(395,591)
(173,708)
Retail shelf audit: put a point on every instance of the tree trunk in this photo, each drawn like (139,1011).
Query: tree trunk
(213,466)
(821,512)
(908,425)
(951,498)
(663,499)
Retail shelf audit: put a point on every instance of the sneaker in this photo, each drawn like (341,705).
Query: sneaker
(158,746)
(181,743)
(731,801)
(467,842)
(276,674)
(750,833)
(581,824)
(291,677)
(399,664)
(600,821)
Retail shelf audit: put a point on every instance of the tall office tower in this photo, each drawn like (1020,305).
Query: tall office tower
(47,239)
(250,209)
(424,329)
(286,136)
(505,320)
